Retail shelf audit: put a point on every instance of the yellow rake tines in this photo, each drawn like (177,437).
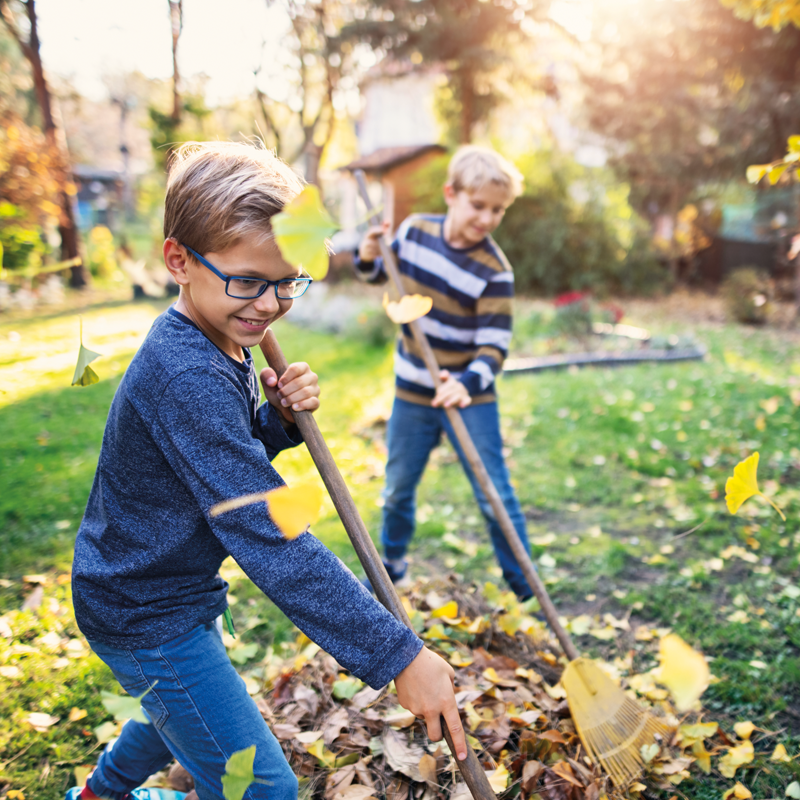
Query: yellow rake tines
(612,726)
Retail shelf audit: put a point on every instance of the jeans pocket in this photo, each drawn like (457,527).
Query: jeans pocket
(136,683)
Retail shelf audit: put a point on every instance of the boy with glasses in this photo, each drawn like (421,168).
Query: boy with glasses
(185,432)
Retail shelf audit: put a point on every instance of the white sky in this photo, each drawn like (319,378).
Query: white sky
(84,39)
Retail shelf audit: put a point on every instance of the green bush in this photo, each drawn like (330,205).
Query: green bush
(746,295)
(22,244)
(573,229)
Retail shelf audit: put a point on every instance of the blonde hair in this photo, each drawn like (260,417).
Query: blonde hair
(473,167)
(220,192)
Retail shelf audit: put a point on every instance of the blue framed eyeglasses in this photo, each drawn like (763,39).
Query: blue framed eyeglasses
(250,288)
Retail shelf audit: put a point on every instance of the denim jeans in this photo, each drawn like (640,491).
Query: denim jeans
(413,431)
(200,713)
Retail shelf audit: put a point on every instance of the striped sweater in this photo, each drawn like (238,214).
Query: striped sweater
(469,326)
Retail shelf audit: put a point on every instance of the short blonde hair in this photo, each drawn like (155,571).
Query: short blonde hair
(473,167)
(221,192)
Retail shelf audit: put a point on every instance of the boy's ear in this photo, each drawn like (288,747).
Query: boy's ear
(175,261)
(449,193)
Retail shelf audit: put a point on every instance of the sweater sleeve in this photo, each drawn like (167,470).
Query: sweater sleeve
(205,432)
(269,429)
(493,310)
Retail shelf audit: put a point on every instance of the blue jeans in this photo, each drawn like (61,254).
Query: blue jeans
(200,713)
(413,431)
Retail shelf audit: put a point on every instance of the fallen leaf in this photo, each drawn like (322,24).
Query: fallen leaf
(77,713)
(530,774)
(702,755)
(739,791)
(780,754)
(735,758)
(308,737)
(107,731)
(793,790)
(649,752)
(564,770)
(301,231)
(402,755)
(427,768)
(684,671)
(41,722)
(408,308)
(744,485)
(448,610)
(498,779)
(744,729)
(15,794)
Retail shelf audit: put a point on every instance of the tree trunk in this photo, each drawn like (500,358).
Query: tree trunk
(467,90)
(67,227)
(176,18)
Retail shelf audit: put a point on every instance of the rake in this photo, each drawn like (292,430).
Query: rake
(612,726)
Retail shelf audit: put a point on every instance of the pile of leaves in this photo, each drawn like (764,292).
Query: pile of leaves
(347,741)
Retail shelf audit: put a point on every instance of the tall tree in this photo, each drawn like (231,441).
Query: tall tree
(319,59)
(775,13)
(685,93)
(468,38)
(56,141)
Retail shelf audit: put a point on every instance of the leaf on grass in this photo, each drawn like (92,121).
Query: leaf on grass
(77,713)
(793,790)
(84,374)
(126,707)
(41,722)
(15,794)
(739,791)
(408,308)
(238,773)
(684,671)
(744,485)
(702,755)
(735,757)
(780,754)
(301,231)
(106,732)
(744,729)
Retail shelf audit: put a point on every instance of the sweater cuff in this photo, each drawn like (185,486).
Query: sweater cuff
(399,651)
(472,381)
(366,271)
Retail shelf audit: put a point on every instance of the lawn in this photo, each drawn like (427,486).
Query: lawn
(621,474)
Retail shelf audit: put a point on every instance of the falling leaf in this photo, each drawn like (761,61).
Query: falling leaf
(744,485)
(684,671)
(735,757)
(301,230)
(498,779)
(126,707)
(780,754)
(294,508)
(408,308)
(238,773)
(744,729)
(84,374)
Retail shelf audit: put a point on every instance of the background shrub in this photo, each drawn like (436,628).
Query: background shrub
(746,294)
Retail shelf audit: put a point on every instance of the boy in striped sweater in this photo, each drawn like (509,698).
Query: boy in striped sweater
(453,259)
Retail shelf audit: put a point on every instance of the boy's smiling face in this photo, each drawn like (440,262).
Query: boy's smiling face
(230,323)
(473,215)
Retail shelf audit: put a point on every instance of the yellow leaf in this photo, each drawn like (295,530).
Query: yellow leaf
(498,779)
(84,374)
(735,757)
(684,671)
(294,508)
(409,308)
(702,755)
(780,754)
(744,729)
(76,714)
(739,791)
(761,422)
(755,172)
(301,231)
(744,485)
(449,610)
(689,734)
(771,405)
(15,794)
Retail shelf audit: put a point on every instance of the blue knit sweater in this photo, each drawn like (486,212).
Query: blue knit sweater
(185,432)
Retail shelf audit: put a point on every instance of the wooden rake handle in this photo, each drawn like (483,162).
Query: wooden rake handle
(470,767)
(470,451)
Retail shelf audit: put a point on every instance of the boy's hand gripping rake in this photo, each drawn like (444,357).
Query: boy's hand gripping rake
(612,727)
(470,767)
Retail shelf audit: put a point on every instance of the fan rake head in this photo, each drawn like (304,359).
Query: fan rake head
(612,726)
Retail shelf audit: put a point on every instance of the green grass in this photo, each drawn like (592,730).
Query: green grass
(613,468)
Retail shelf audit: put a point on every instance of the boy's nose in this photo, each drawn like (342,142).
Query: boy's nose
(267,302)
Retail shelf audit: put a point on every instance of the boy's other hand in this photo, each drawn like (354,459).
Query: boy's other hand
(370,249)
(296,390)
(451,392)
(425,688)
